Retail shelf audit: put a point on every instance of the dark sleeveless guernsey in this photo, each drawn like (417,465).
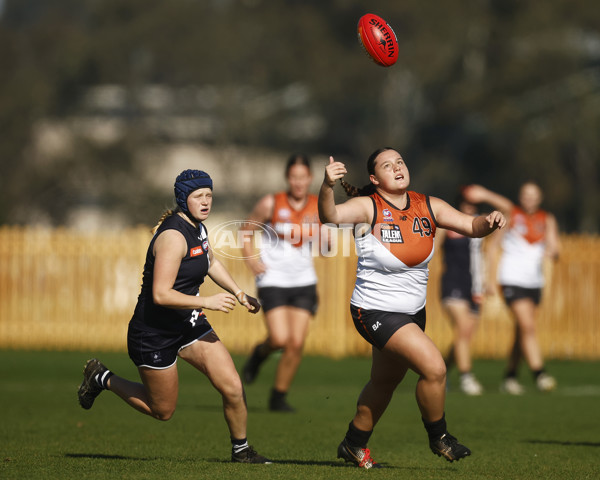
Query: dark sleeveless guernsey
(192,271)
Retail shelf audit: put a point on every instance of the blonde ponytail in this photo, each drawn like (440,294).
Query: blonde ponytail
(166,214)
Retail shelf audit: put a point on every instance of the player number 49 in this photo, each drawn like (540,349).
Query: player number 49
(422,226)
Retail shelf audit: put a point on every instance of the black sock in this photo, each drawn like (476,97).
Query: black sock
(537,373)
(435,429)
(239,445)
(102,379)
(357,438)
(511,373)
(277,395)
(259,352)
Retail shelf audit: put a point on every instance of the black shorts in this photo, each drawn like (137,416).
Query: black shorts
(459,294)
(453,289)
(299,297)
(512,293)
(377,326)
(158,350)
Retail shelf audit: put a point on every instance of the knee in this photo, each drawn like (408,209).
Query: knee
(163,413)
(436,372)
(276,342)
(233,391)
(295,346)
(465,332)
(527,329)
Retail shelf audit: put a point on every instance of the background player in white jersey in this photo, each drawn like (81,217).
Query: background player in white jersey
(394,234)
(285,276)
(531,236)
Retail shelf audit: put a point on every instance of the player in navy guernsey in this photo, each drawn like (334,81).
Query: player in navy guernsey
(394,236)
(169,320)
(462,293)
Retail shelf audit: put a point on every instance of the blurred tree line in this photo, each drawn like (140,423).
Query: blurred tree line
(488,91)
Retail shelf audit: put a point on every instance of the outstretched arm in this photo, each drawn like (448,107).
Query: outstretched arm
(479,194)
(453,219)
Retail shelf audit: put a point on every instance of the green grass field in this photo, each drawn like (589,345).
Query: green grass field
(45,434)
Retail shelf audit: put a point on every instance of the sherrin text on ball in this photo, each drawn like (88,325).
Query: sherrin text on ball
(378,39)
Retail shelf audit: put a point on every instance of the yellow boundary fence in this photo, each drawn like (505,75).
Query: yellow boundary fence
(64,290)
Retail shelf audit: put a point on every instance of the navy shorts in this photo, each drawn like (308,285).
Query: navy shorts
(453,289)
(158,350)
(299,297)
(377,326)
(459,294)
(512,293)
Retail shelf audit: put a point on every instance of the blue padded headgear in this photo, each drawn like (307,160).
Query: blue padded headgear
(188,181)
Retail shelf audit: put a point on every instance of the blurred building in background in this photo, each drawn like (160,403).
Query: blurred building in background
(102,102)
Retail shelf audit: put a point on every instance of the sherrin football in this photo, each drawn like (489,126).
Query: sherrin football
(378,39)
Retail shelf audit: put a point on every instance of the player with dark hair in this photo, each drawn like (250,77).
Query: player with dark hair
(285,276)
(462,293)
(394,233)
(169,320)
(531,236)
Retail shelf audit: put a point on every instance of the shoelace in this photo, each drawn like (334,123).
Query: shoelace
(447,441)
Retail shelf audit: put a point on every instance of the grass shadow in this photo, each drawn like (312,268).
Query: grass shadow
(312,463)
(103,456)
(327,463)
(565,443)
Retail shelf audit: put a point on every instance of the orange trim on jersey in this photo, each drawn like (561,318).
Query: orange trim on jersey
(408,234)
(296,226)
(364,326)
(532,227)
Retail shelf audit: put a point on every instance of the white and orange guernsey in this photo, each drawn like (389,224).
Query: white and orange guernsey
(523,248)
(288,256)
(393,256)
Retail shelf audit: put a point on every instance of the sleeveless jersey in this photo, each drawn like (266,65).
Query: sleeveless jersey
(523,247)
(192,271)
(393,256)
(462,263)
(288,254)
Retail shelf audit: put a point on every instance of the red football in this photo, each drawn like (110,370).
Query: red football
(378,39)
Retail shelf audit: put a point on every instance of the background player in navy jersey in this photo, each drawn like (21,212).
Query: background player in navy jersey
(394,235)
(285,276)
(461,293)
(532,235)
(169,320)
